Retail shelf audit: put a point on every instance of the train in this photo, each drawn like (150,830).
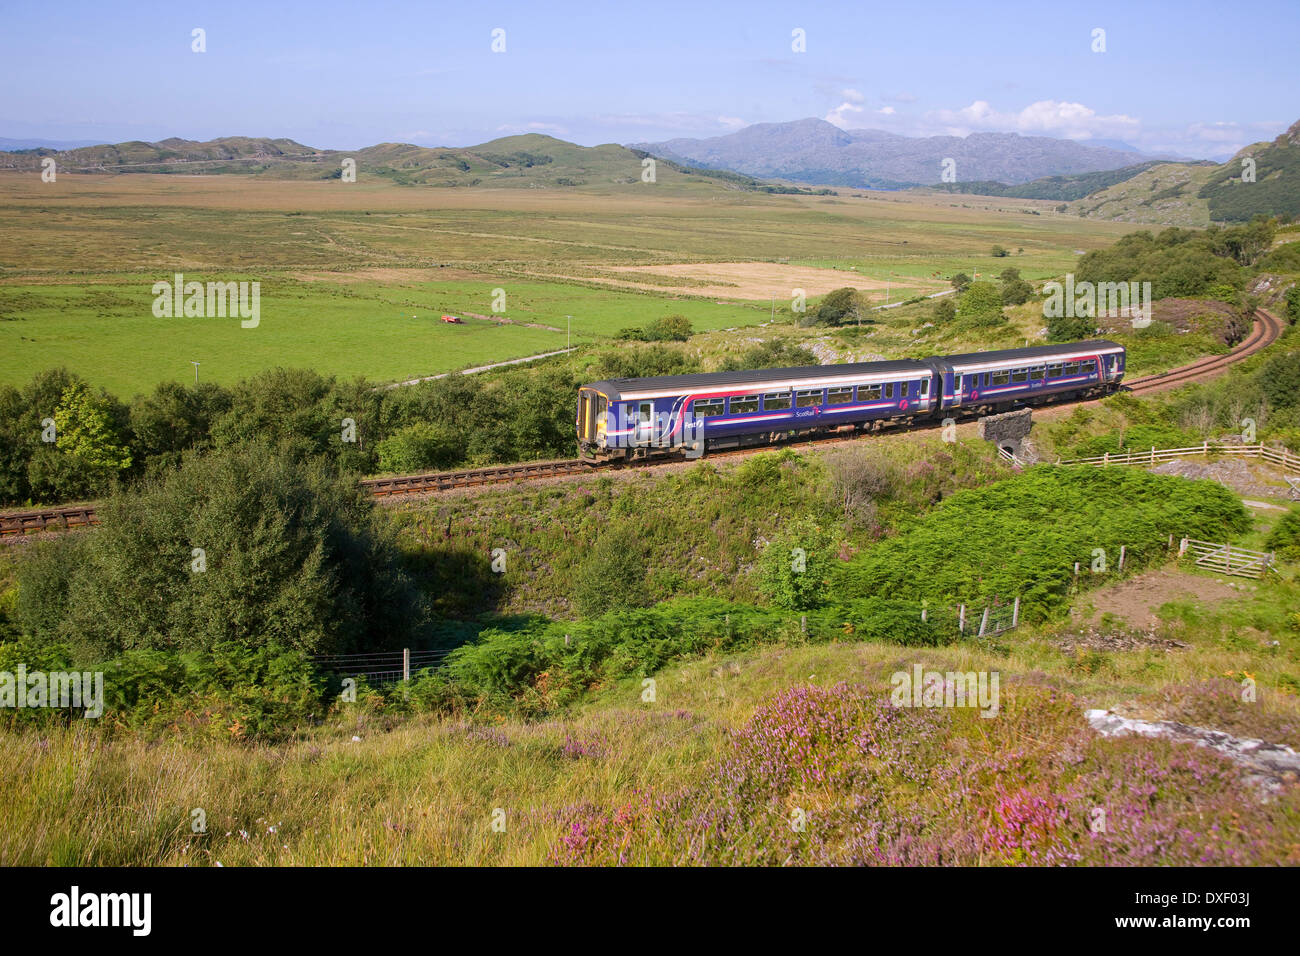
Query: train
(625,419)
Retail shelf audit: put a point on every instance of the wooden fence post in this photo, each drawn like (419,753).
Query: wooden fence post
(406,663)
(984,622)
(1182,547)
(1122,549)
(1153,454)
(961,619)
(1015,613)
(803,623)
(1105,458)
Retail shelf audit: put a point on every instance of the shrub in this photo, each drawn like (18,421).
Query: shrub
(288,557)
(418,447)
(793,568)
(1285,536)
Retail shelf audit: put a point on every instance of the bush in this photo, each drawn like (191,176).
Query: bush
(1285,537)
(980,305)
(839,306)
(1021,537)
(792,571)
(419,447)
(289,557)
(612,575)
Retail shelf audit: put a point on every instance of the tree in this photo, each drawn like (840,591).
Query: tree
(945,310)
(839,306)
(671,328)
(1016,292)
(998,252)
(1293,304)
(980,305)
(173,419)
(960,281)
(259,546)
(420,447)
(1064,328)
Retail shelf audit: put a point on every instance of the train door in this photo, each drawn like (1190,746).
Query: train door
(645,423)
(956,388)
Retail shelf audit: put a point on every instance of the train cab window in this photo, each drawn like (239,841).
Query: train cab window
(839,396)
(709,407)
(1020,375)
(776,401)
(925,388)
(808,397)
(1055,370)
(742,404)
(868,393)
(1001,378)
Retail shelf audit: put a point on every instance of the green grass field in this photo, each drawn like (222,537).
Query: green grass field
(354,278)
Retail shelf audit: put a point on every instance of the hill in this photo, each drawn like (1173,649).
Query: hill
(530,161)
(814,151)
(1274,191)
(1196,194)
(1164,194)
(1057,188)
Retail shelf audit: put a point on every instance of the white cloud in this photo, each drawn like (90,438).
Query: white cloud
(1045,117)
(840,115)
(853,96)
(732,122)
(886,111)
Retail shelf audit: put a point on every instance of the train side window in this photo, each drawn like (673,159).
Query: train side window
(925,387)
(889,390)
(868,393)
(1020,375)
(776,401)
(1036,373)
(1087,367)
(839,396)
(1001,378)
(1071,368)
(1055,370)
(742,404)
(709,407)
(808,397)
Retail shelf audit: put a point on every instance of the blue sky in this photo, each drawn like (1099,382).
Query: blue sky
(1200,79)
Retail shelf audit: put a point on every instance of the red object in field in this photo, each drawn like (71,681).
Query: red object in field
(452,318)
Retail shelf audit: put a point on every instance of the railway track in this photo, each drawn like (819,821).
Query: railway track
(1264,332)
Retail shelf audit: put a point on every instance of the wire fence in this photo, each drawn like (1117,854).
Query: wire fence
(381,667)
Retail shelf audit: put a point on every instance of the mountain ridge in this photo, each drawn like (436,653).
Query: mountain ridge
(815,151)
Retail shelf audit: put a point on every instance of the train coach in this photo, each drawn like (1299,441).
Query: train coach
(630,418)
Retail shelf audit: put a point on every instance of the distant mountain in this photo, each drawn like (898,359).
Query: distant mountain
(814,151)
(528,161)
(9,145)
(1195,195)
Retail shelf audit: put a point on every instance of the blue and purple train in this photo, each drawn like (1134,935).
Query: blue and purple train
(630,418)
